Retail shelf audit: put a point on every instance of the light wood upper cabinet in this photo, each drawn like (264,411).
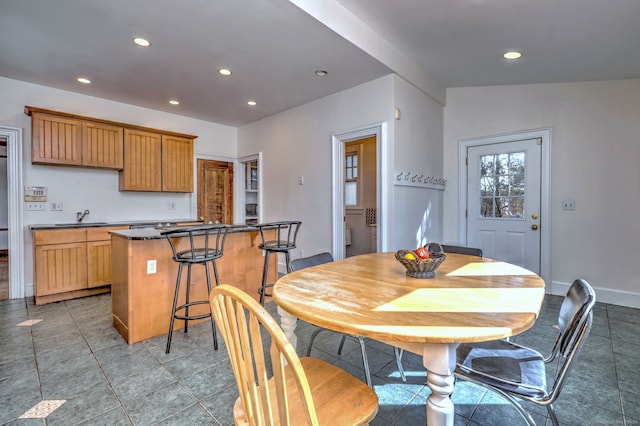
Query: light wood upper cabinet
(56,140)
(157,162)
(102,145)
(72,141)
(142,161)
(177,164)
(148,159)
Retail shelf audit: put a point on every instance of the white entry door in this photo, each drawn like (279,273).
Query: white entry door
(503,201)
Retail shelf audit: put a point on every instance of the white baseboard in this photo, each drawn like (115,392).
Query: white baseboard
(603,295)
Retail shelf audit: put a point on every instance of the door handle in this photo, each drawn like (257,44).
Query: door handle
(534,227)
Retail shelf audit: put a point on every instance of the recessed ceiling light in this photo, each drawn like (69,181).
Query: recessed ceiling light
(512,55)
(83,80)
(224,71)
(321,73)
(252,103)
(141,42)
(174,102)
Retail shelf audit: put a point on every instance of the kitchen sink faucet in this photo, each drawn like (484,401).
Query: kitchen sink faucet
(81,215)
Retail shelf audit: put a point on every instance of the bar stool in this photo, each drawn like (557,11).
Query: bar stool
(286,234)
(206,244)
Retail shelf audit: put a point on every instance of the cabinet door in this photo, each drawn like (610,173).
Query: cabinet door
(60,268)
(177,164)
(99,255)
(102,145)
(98,263)
(55,140)
(142,157)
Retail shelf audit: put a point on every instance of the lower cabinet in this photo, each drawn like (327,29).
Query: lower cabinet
(71,263)
(61,267)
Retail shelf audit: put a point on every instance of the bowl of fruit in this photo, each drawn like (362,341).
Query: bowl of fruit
(423,261)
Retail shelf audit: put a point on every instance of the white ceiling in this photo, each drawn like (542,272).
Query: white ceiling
(274,47)
(461,42)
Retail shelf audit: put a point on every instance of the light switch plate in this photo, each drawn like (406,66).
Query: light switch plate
(35,206)
(151,266)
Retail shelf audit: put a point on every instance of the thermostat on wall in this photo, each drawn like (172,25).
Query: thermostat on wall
(35,193)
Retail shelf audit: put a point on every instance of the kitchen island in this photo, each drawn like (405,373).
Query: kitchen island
(144,277)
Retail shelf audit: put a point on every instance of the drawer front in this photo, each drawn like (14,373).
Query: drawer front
(59,236)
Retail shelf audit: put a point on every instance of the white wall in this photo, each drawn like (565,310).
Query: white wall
(417,149)
(595,152)
(298,143)
(94,189)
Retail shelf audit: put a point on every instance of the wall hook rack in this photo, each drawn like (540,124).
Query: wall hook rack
(419,180)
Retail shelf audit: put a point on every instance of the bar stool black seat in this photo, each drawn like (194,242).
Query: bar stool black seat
(206,244)
(286,234)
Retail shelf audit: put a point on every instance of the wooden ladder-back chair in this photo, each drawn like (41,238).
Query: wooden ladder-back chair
(278,387)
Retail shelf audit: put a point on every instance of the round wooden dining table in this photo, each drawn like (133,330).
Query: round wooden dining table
(470,299)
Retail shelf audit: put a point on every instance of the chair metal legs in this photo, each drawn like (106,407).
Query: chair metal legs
(188,303)
(398,354)
(265,271)
(363,351)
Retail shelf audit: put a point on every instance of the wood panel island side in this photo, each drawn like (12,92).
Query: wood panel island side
(142,299)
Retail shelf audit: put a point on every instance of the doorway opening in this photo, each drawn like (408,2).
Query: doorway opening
(382,204)
(360,197)
(249,193)
(4,223)
(13,138)
(215,191)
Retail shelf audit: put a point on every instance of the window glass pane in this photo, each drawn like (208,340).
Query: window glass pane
(486,207)
(502,185)
(350,194)
(486,165)
(349,161)
(486,186)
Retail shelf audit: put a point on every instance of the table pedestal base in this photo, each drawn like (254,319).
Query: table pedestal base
(440,362)
(288,323)
(438,359)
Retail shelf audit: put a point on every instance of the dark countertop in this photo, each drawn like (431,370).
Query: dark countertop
(154,233)
(132,223)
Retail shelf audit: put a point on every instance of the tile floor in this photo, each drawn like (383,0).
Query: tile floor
(75,358)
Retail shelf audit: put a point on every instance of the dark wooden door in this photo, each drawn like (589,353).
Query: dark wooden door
(215,191)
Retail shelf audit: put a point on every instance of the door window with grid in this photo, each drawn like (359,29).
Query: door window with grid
(502,185)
